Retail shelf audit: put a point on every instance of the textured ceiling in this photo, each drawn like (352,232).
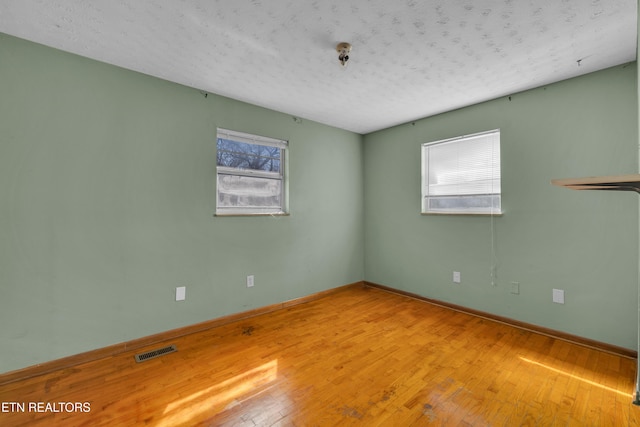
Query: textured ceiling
(410,58)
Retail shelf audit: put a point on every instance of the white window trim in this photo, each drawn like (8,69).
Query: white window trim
(425,210)
(250,139)
(282,175)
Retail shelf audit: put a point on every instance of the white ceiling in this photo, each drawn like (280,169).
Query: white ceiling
(410,58)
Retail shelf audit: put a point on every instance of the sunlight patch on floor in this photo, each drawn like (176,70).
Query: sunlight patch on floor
(595,384)
(216,398)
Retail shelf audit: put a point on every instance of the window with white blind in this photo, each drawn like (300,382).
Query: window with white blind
(462,175)
(250,174)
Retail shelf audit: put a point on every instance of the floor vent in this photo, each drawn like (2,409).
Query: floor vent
(155,353)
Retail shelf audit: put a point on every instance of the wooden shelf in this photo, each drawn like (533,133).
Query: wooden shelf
(615,183)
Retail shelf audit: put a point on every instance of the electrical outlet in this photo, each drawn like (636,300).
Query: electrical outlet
(250,281)
(515,288)
(558,296)
(456,277)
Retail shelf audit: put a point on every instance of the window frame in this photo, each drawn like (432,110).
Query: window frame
(281,175)
(486,211)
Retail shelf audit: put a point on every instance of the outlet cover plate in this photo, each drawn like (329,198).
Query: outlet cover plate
(558,296)
(515,288)
(181,293)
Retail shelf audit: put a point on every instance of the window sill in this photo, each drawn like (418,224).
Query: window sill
(461,214)
(252,214)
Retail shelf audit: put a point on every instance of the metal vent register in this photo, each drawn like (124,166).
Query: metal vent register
(155,353)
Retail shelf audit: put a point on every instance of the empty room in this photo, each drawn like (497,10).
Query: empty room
(279,213)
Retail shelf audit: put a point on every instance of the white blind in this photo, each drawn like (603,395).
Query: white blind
(463,166)
(251,139)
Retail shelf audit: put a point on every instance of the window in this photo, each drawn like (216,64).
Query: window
(250,174)
(462,175)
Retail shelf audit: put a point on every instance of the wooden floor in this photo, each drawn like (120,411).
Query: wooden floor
(361,357)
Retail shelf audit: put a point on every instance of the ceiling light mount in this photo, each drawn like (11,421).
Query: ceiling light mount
(343,50)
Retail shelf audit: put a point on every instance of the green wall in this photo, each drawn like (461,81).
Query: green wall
(107,190)
(585,242)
